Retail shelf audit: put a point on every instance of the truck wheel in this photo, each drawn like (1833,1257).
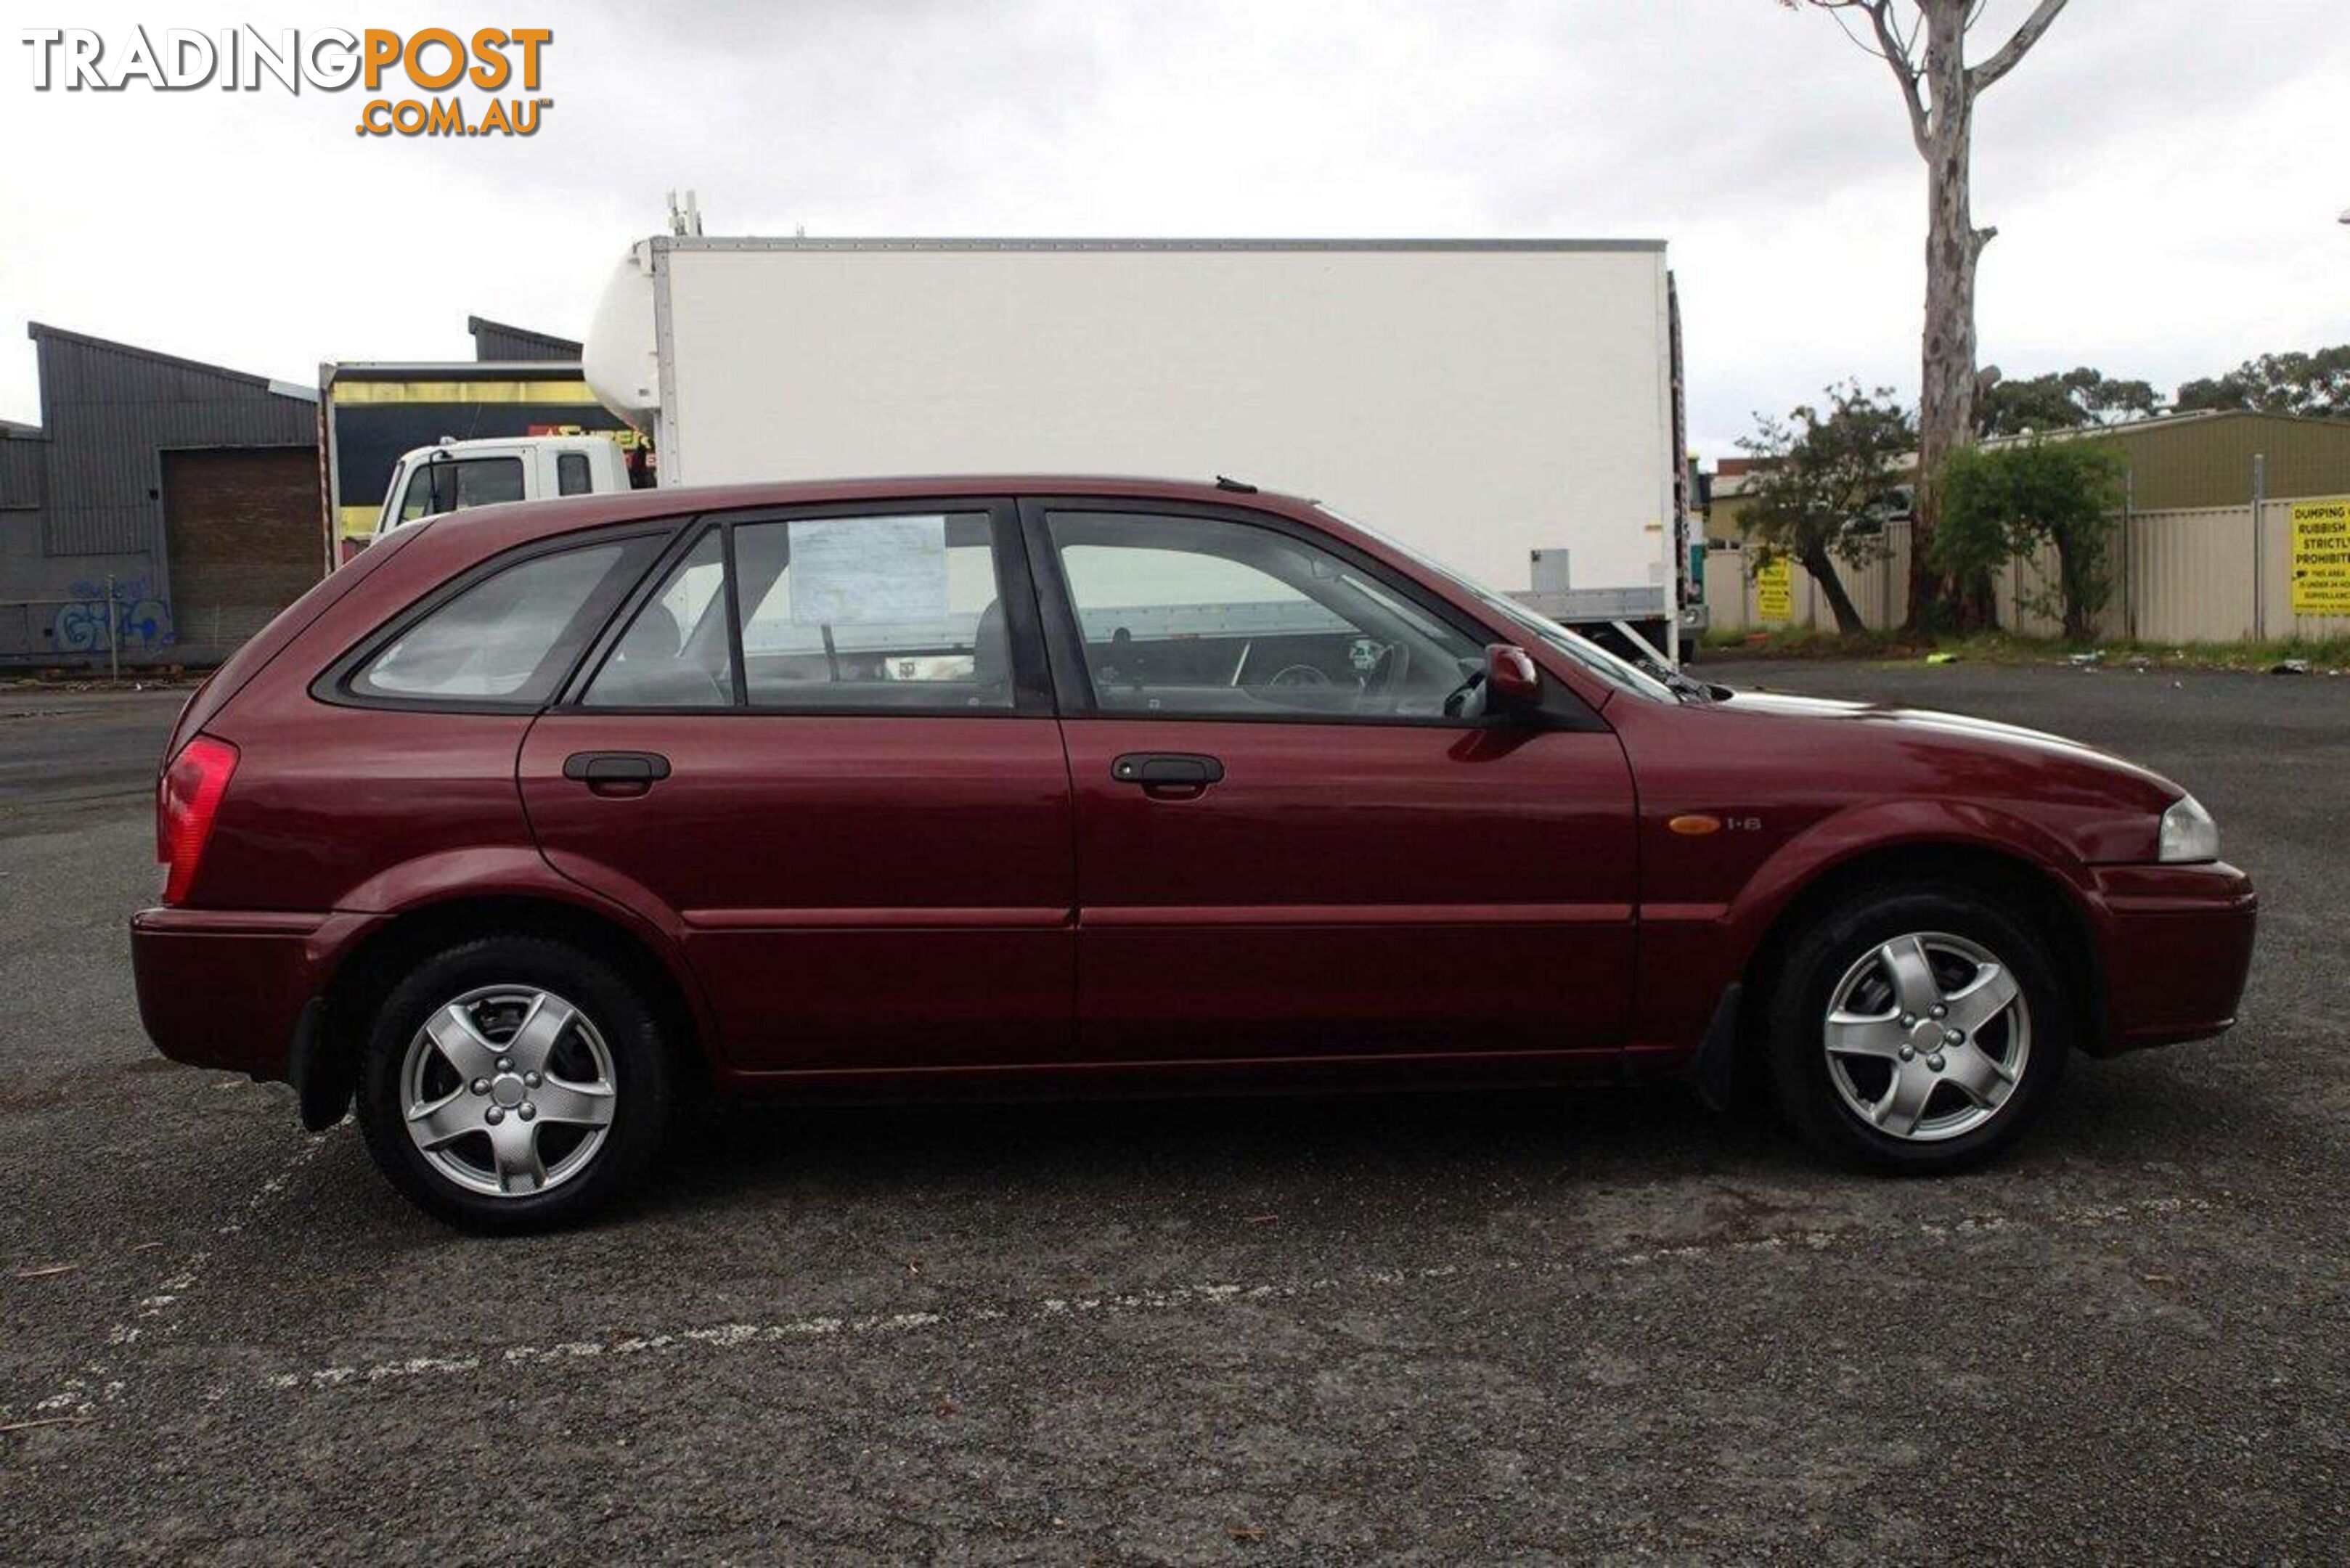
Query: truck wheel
(1917,1030)
(513,1084)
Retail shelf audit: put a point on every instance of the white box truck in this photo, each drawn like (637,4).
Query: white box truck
(1510,406)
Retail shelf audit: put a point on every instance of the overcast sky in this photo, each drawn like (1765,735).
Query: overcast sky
(2166,174)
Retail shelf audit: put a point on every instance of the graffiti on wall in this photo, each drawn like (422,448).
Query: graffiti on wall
(133,618)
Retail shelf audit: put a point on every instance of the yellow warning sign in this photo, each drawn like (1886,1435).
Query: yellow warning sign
(2321,556)
(1775,590)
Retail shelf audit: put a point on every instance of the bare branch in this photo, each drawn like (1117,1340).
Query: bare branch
(1860,43)
(1835,8)
(2015,48)
(1898,52)
(1905,67)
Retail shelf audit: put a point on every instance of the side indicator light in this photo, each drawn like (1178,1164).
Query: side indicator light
(1695,825)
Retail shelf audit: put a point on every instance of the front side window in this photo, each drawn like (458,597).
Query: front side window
(509,637)
(453,485)
(571,474)
(1199,618)
(417,500)
(1621,674)
(899,612)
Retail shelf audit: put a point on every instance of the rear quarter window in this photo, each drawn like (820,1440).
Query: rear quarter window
(509,637)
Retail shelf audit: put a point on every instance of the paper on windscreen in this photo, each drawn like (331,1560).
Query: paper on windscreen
(869,569)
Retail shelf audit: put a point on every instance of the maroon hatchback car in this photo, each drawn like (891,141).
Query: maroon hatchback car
(534,820)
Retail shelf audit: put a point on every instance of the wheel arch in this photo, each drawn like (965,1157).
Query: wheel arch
(2014,881)
(328,1075)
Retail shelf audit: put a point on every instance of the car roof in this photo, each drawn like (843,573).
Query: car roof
(519,522)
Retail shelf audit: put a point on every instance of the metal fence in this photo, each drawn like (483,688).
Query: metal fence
(2201,574)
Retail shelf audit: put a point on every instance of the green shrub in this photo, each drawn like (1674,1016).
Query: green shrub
(2004,500)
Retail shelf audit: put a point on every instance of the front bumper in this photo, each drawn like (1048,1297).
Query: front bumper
(225,988)
(2176,945)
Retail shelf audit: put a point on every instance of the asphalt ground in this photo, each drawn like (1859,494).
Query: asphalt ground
(1520,1326)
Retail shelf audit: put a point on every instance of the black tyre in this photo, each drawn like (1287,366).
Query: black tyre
(513,1084)
(1917,1029)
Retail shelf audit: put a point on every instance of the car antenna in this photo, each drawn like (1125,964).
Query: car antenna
(1241,486)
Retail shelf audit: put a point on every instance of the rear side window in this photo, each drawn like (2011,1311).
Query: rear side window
(509,637)
(571,474)
(896,612)
(902,613)
(674,653)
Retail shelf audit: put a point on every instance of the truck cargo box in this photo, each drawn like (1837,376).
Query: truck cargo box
(1509,407)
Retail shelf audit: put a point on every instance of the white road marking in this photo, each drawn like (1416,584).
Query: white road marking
(95,1382)
(737,1335)
(729,1337)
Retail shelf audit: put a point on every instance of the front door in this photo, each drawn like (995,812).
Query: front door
(821,747)
(1285,846)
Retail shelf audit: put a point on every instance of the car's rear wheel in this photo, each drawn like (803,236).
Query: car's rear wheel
(514,1082)
(1916,1029)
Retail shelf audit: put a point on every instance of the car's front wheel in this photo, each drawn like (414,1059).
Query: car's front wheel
(513,1083)
(1919,1030)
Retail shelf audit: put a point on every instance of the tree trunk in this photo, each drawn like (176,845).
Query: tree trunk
(1823,572)
(1946,402)
(1939,97)
(2074,587)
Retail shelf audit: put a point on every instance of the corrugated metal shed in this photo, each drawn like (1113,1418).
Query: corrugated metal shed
(2206,459)
(23,459)
(107,409)
(498,340)
(2176,462)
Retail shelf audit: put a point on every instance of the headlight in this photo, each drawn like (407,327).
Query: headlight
(2189,833)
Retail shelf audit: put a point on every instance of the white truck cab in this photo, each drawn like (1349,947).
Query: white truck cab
(456,475)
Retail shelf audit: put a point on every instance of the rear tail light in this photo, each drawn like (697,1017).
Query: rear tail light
(187,798)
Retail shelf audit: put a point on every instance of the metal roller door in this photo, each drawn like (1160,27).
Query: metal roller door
(241,529)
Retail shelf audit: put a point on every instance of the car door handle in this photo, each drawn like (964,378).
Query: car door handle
(1178,774)
(617,772)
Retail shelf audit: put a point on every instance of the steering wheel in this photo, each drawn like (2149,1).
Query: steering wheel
(1298,675)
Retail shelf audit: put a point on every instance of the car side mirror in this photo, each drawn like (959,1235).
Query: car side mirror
(1511,680)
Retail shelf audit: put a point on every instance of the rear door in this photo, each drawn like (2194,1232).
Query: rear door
(1330,865)
(820,744)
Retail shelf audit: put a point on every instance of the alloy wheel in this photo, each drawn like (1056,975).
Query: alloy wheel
(1926,1036)
(508,1090)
